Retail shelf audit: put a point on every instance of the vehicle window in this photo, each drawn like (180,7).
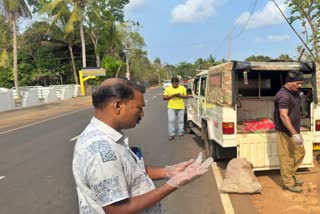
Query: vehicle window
(203,86)
(196,86)
(260,83)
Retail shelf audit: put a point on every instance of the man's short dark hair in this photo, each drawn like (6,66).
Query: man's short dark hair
(136,86)
(174,79)
(122,89)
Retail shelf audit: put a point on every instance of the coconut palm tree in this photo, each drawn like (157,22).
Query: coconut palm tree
(60,15)
(77,17)
(5,36)
(13,9)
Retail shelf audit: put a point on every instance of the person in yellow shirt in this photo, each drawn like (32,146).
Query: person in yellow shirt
(175,94)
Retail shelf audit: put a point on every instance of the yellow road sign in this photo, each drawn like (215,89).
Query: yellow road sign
(89,73)
(93,72)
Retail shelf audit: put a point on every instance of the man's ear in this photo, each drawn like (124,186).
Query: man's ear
(117,106)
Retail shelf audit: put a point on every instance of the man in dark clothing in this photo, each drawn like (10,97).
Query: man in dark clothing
(290,147)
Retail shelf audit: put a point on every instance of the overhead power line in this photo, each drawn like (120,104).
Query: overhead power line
(245,25)
(243,28)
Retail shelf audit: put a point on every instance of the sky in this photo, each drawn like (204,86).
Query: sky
(184,30)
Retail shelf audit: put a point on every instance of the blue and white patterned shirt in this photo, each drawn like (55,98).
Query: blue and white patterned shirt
(106,170)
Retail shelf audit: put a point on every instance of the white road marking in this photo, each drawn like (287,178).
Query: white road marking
(75,138)
(153,97)
(1,177)
(226,202)
(146,101)
(21,127)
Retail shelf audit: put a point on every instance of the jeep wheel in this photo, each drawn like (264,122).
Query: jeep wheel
(188,126)
(208,144)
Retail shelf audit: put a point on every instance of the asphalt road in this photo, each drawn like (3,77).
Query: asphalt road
(35,161)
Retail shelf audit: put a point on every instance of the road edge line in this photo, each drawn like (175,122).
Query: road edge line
(41,121)
(226,202)
(74,138)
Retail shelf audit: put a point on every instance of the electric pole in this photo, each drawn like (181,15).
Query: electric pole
(127,62)
(229,46)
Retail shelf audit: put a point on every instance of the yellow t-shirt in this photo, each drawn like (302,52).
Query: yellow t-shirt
(176,102)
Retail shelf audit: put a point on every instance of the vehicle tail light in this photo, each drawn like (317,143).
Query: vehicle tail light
(317,125)
(228,127)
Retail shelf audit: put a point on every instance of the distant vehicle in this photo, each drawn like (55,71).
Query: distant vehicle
(166,83)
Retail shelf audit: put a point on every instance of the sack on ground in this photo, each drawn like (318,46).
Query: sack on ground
(239,178)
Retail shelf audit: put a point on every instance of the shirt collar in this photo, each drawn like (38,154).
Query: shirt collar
(117,137)
(294,93)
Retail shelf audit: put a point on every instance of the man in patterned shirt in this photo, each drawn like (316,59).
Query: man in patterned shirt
(109,177)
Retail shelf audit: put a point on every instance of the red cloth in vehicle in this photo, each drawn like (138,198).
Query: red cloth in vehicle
(259,125)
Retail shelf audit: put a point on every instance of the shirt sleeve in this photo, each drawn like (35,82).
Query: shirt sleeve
(166,92)
(283,101)
(105,174)
(184,91)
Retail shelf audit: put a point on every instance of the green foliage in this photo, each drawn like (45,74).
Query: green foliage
(184,69)
(203,64)
(211,59)
(116,8)
(12,10)
(6,77)
(258,58)
(307,13)
(18,8)
(5,42)
(141,68)
(111,64)
(37,4)
(43,56)
(157,60)
(285,57)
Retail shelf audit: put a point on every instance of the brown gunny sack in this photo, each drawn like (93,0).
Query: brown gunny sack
(240,178)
